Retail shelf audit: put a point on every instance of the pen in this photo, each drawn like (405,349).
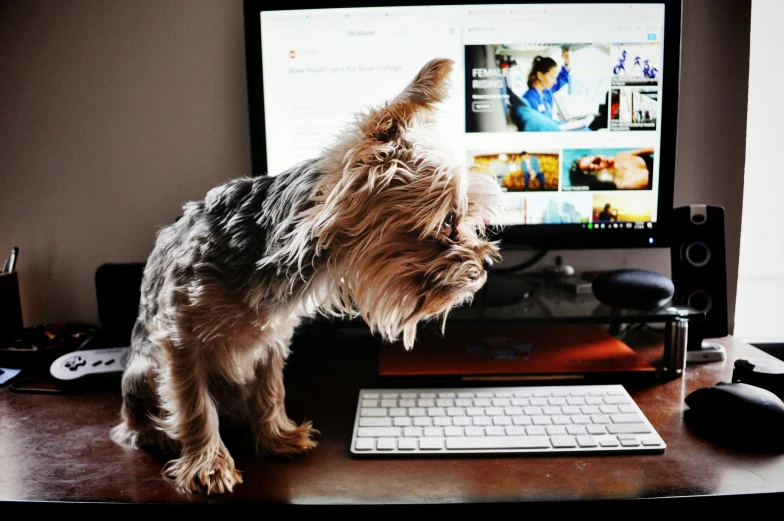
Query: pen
(5,266)
(12,259)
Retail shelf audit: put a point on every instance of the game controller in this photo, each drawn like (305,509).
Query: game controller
(89,367)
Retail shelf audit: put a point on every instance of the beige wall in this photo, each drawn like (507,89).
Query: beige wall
(113,114)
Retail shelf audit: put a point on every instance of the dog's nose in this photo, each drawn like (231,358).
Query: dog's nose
(487,263)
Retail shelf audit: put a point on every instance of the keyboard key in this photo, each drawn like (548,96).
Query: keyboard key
(407,403)
(388,403)
(370,395)
(369,403)
(446,395)
(442,421)
(436,411)
(587,441)
(412,432)
(594,400)
(474,431)
(365,444)
(629,442)
(609,441)
(501,402)
(433,443)
(372,411)
(464,402)
(562,420)
(484,394)
(499,442)
(596,429)
(513,411)
(397,411)
(426,402)
(417,411)
(626,418)
(462,421)
(616,400)
(427,395)
(445,402)
(482,402)
(535,431)
(494,411)
(386,444)
(503,394)
(608,409)
(556,401)
(649,441)
(542,420)
(514,430)
(465,395)
(551,410)
(629,428)
(564,442)
(420,421)
(576,429)
(502,420)
(433,431)
(522,420)
(539,402)
(600,418)
(375,422)
(406,444)
(555,430)
(482,420)
(377,432)
(494,431)
(389,395)
(399,422)
(475,411)
(453,431)
(408,396)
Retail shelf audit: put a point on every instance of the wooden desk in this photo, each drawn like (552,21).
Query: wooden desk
(57,449)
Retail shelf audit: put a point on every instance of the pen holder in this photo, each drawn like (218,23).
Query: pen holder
(11,325)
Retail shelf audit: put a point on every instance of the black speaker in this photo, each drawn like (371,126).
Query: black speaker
(699,268)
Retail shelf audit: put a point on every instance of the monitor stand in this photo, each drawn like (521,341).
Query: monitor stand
(506,289)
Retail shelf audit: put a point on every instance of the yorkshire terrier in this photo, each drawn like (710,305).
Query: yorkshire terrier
(384,225)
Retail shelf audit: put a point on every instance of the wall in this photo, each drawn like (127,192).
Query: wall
(114,114)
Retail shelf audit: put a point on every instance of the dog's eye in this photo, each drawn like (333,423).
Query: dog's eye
(449,220)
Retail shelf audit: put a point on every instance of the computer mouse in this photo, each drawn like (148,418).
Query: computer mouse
(738,414)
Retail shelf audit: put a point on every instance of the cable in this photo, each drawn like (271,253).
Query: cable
(32,390)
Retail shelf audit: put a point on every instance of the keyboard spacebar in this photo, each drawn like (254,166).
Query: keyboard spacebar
(498,442)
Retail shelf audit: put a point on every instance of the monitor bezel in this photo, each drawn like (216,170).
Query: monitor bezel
(547,236)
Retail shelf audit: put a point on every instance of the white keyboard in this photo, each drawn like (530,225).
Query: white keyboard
(537,420)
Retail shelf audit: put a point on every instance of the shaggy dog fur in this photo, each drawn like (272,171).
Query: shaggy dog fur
(384,225)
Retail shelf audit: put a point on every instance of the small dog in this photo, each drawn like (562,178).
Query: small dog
(384,225)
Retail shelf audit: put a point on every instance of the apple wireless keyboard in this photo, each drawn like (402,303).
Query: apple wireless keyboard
(537,420)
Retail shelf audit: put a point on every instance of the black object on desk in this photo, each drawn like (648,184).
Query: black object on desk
(737,414)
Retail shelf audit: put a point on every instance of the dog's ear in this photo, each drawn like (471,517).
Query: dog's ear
(417,100)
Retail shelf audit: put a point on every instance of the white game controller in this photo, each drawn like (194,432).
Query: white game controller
(90,366)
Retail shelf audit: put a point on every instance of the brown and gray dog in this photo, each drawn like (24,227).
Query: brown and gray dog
(385,225)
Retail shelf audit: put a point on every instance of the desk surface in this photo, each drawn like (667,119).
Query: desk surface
(57,448)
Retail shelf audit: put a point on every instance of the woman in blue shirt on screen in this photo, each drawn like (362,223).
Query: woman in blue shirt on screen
(545,79)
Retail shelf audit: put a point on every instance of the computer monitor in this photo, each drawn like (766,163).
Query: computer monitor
(572,106)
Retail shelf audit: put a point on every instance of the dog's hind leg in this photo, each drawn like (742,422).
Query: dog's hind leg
(190,417)
(274,432)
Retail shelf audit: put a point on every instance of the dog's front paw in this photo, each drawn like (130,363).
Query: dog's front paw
(290,440)
(205,473)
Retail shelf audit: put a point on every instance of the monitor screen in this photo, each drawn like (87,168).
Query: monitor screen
(571,106)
